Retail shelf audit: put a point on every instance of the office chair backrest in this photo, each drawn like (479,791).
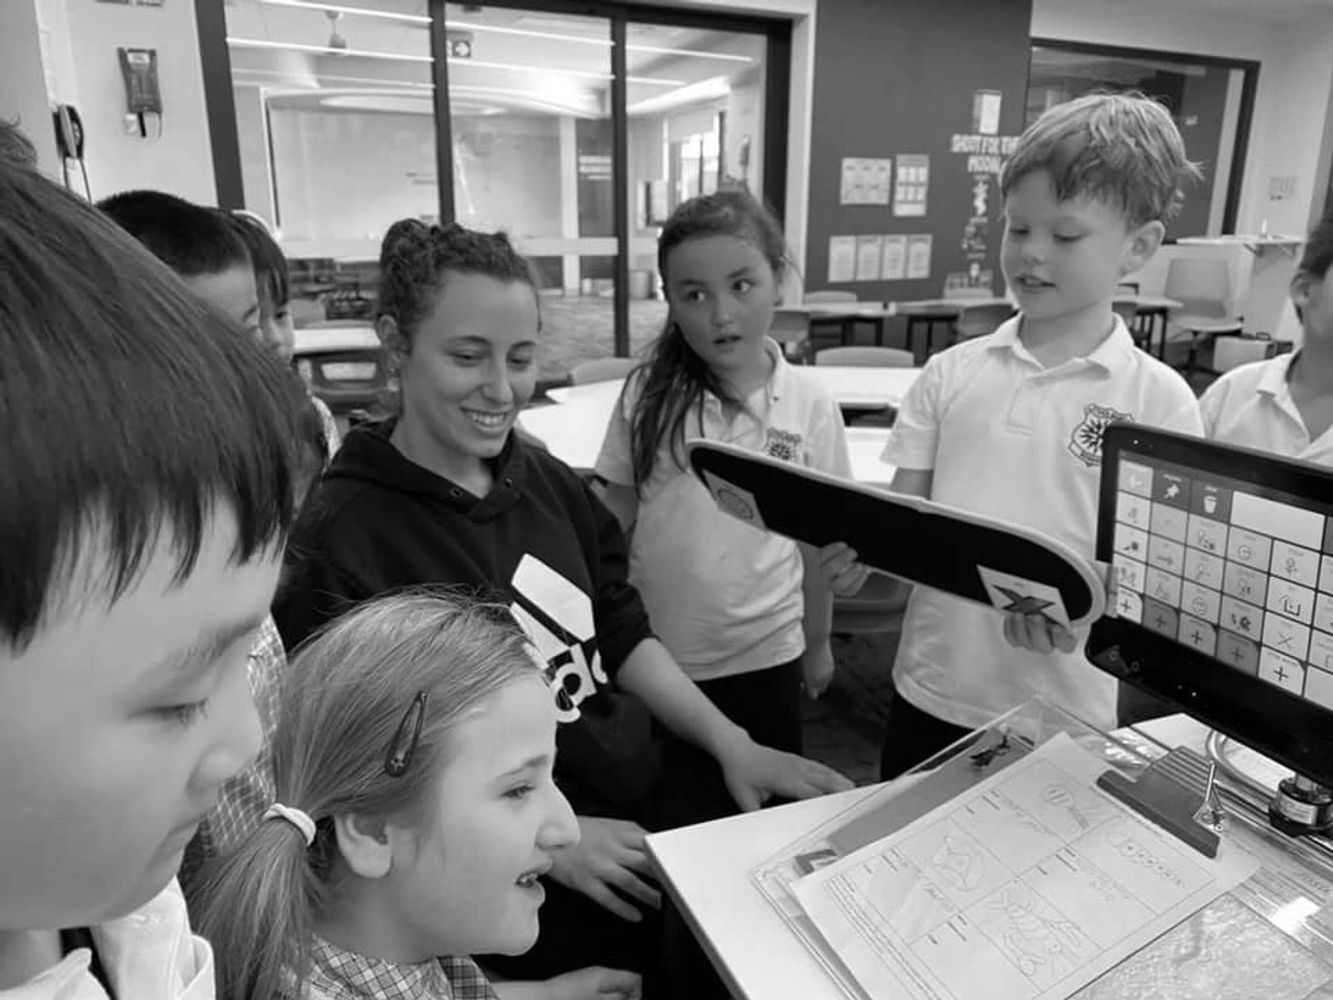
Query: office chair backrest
(827,296)
(866,357)
(1201,284)
(978,321)
(601,370)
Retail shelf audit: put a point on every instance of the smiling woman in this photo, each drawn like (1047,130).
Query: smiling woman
(459,317)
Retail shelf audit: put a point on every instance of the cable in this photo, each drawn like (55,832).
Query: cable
(1216,745)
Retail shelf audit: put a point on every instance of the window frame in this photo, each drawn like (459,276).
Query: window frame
(211,20)
(1244,116)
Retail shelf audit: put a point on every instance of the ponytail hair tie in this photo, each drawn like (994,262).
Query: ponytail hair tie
(295,817)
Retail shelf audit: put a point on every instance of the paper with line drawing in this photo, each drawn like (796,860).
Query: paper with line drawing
(1028,886)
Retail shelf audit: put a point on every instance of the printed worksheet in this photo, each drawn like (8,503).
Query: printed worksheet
(1030,885)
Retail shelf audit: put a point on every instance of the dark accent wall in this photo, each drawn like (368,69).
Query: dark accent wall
(899,76)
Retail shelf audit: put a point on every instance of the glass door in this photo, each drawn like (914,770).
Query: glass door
(335,123)
(695,115)
(577,133)
(533,148)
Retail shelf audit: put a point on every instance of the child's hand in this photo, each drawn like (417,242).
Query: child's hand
(842,573)
(595,983)
(817,668)
(1038,633)
(605,860)
(754,773)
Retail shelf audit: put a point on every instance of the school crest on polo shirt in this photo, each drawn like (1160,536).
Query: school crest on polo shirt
(782,445)
(1085,443)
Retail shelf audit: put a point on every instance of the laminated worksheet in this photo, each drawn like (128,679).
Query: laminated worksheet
(1029,885)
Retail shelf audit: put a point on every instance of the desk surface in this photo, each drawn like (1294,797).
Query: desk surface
(867,388)
(952,308)
(707,870)
(573,433)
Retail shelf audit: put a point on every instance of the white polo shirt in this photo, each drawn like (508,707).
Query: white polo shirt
(1008,438)
(723,596)
(1252,406)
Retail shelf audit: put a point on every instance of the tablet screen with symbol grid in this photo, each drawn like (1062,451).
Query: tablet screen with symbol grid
(1238,573)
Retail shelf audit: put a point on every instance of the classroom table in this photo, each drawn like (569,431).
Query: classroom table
(854,388)
(1150,316)
(930,312)
(706,872)
(573,433)
(845,315)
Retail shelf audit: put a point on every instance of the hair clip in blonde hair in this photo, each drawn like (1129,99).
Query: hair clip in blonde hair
(297,818)
(405,739)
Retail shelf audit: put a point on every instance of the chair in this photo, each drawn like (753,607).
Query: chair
(866,357)
(827,296)
(344,365)
(791,329)
(601,370)
(1203,287)
(981,320)
(1230,352)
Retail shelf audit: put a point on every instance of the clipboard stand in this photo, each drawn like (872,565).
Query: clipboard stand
(1167,794)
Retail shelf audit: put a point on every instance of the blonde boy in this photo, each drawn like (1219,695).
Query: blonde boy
(1010,425)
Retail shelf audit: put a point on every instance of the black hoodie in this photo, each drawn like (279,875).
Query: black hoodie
(539,541)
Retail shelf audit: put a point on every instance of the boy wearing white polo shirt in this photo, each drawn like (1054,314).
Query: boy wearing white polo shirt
(1285,404)
(1010,425)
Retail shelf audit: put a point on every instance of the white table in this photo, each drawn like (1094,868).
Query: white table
(573,433)
(853,387)
(706,871)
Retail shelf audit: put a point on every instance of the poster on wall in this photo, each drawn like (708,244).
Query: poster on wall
(868,252)
(893,262)
(909,194)
(865,181)
(918,255)
(986,111)
(841,258)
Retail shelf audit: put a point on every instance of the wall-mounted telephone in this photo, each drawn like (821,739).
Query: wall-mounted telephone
(69,132)
(69,143)
(143,96)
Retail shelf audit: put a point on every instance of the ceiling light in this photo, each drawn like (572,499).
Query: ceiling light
(588,40)
(320,79)
(259,43)
(647,81)
(355,11)
(696,53)
(705,90)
